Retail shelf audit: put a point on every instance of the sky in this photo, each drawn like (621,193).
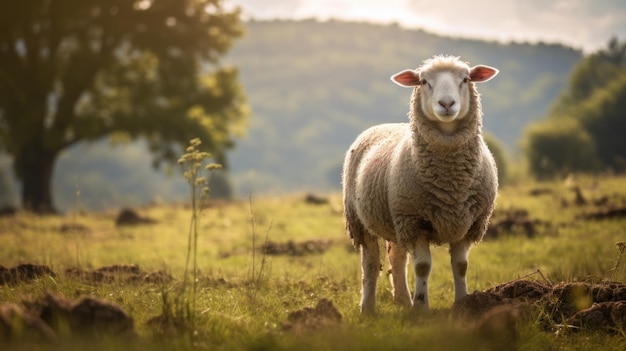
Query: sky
(582,24)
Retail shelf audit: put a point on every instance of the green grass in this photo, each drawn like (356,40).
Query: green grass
(234,313)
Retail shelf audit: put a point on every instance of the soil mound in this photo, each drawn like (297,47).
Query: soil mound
(85,315)
(128,216)
(23,273)
(52,315)
(601,316)
(514,221)
(16,322)
(597,306)
(325,314)
(291,248)
(119,272)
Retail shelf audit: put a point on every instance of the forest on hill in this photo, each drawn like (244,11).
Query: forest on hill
(312,87)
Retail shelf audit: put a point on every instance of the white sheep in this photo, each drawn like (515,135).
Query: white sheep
(432,180)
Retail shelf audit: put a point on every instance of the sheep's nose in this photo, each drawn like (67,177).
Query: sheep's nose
(446,103)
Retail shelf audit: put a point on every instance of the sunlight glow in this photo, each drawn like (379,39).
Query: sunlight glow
(585,24)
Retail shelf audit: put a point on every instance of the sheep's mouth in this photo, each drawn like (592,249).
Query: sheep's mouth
(447,117)
(445,114)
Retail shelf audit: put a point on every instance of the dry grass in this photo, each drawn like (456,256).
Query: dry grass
(232,313)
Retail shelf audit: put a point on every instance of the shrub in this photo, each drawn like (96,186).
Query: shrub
(558,147)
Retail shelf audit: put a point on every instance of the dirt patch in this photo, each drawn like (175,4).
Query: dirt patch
(601,316)
(540,191)
(74,228)
(314,199)
(53,315)
(7,211)
(23,273)
(606,213)
(119,272)
(15,322)
(323,315)
(477,303)
(567,299)
(499,324)
(85,315)
(514,221)
(125,273)
(598,306)
(527,289)
(128,216)
(291,248)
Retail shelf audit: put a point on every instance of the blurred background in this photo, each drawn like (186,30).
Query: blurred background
(99,98)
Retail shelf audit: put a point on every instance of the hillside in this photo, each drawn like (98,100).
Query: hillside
(312,88)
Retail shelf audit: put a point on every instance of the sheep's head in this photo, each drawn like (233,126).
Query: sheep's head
(445,84)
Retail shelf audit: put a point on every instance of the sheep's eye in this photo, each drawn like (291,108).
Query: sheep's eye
(423,82)
(466,80)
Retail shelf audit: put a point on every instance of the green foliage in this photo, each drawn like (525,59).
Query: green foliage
(580,133)
(602,115)
(559,147)
(593,73)
(80,70)
(500,156)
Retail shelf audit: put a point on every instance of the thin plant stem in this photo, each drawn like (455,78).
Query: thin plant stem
(253,235)
(264,256)
(195,256)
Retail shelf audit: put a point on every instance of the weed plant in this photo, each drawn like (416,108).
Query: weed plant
(192,162)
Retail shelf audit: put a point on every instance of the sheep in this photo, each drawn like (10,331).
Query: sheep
(430,181)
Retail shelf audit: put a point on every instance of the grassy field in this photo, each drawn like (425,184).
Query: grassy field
(246,295)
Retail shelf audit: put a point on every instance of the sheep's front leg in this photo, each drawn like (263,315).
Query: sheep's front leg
(397,256)
(422,262)
(370,265)
(459,252)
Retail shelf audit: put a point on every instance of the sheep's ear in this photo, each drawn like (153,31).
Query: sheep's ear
(407,78)
(482,73)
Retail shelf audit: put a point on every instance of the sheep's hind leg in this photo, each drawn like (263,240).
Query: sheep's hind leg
(459,252)
(370,264)
(397,256)
(422,262)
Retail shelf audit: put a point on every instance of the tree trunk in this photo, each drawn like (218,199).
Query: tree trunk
(34,167)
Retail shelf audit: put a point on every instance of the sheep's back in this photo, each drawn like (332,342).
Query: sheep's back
(365,177)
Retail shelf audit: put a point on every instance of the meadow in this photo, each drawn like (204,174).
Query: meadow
(265,263)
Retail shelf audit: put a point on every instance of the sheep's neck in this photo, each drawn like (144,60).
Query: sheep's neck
(447,163)
(451,168)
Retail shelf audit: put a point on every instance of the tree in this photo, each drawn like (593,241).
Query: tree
(555,148)
(602,116)
(73,70)
(592,73)
(580,133)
